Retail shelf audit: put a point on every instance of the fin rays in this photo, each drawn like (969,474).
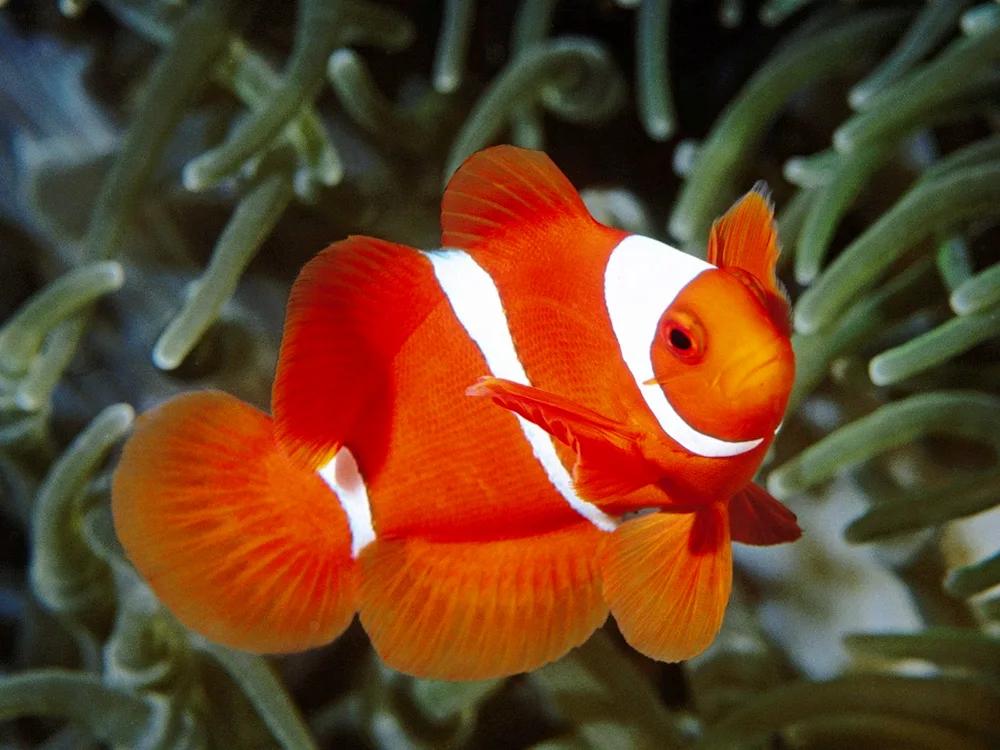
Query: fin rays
(745,243)
(667,598)
(757,518)
(231,536)
(500,207)
(350,310)
(498,192)
(460,612)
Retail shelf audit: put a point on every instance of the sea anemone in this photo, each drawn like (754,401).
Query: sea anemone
(166,175)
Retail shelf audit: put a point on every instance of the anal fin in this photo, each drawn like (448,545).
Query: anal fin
(476,610)
(667,579)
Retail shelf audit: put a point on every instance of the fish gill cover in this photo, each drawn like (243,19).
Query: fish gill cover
(168,165)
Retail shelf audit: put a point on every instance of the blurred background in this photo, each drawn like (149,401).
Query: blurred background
(167,166)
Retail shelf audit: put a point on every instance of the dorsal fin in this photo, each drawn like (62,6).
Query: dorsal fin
(505,189)
(744,242)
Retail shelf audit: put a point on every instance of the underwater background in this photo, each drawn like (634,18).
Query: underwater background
(167,166)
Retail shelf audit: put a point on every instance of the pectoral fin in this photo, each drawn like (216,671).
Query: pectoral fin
(609,459)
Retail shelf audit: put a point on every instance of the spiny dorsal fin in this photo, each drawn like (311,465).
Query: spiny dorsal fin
(745,242)
(504,190)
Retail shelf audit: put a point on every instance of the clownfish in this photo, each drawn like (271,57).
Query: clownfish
(484,449)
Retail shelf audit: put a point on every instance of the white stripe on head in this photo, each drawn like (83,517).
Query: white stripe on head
(476,303)
(642,279)
(342,475)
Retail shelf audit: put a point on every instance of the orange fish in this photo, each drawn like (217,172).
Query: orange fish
(482,449)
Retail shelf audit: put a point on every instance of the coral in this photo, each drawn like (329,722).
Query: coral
(168,165)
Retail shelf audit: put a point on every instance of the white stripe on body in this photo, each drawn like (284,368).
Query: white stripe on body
(476,303)
(342,475)
(642,279)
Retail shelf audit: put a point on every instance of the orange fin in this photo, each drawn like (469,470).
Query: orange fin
(667,578)
(350,310)
(757,518)
(744,242)
(476,610)
(564,419)
(504,190)
(609,460)
(602,472)
(239,544)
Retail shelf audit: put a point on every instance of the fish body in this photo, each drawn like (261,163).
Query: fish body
(482,449)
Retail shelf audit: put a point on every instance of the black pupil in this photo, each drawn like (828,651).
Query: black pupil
(679,339)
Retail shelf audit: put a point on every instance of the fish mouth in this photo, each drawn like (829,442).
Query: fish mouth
(756,390)
(747,393)
(734,384)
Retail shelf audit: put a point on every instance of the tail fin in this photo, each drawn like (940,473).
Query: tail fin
(241,545)
(667,579)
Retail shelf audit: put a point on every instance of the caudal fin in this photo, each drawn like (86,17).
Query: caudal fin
(667,579)
(241,545)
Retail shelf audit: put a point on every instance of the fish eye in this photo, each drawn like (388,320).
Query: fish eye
(681,335)
(679,340)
